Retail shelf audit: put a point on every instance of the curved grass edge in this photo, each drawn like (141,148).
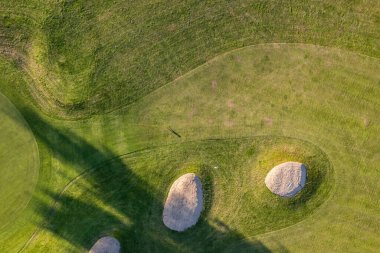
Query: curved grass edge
(330,179)
(36,154)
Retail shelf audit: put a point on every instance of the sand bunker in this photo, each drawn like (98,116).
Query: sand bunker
(106,244)
(286,179)
(184,203)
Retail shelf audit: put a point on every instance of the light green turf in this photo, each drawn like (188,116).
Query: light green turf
(19,165)
(328,97)
(322,97)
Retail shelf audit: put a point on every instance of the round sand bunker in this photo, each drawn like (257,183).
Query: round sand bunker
(106,244)
(184,203)
(286,179)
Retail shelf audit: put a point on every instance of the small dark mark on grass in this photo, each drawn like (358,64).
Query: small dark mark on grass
(174,132)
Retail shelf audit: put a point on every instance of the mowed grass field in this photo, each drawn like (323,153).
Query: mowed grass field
(100,85)
(19,163)
(92,57)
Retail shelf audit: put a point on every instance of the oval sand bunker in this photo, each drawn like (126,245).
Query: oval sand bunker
(286,179)
(106,244)
(184,203)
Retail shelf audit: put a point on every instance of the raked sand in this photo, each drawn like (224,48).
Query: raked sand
(184,203)
(286,179)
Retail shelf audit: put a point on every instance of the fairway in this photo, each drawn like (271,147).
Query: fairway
(104,105)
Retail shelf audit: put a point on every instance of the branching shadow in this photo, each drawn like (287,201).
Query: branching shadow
(120,203)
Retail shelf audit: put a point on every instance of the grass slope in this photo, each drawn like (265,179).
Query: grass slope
(127,195)
(135,47)
(57,61)
(328,97)
(305,92)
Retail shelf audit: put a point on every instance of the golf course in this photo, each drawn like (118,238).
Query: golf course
(189,126)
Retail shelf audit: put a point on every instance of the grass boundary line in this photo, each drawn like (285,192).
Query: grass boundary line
(190,72)
(38,96)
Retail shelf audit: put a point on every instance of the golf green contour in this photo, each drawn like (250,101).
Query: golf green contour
(189,126)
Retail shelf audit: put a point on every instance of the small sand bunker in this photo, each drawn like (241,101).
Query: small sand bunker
(106,244)
(286,179)
(184,203)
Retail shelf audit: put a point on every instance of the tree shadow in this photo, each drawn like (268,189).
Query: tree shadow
(120,203)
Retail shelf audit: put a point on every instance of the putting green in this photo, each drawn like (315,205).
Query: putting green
(19,163)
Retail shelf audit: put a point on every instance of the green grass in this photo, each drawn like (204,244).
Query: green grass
(301,100)
(325,96)
(108,67)
(88,57)
(19,165)
(127,195)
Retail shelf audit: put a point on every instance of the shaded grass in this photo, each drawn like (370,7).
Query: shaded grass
(124,197)
(116,197)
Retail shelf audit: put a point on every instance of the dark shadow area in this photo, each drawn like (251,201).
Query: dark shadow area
(120,203)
